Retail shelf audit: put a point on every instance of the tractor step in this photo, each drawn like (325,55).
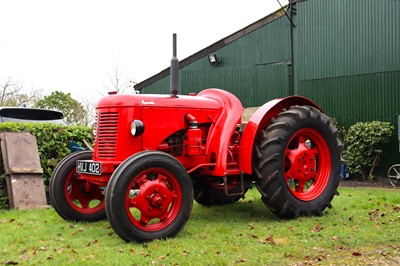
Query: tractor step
(241,193)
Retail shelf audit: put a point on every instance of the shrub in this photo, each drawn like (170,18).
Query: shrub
(52,141)
(364,145)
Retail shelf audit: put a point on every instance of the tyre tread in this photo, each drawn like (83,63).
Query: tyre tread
(268,166)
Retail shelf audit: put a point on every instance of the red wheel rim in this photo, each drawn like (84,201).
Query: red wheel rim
(153,199)
(307,164)
(82,196)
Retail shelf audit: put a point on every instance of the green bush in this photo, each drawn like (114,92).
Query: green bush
(52,141)
(364,145)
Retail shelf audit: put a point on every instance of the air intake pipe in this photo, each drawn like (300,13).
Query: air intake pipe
(174,75)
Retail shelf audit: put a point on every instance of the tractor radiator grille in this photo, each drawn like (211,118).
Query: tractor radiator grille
(107,135)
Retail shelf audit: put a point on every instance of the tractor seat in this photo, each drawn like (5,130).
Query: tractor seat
(246,114)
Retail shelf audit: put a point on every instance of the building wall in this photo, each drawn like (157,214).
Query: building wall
(347,59)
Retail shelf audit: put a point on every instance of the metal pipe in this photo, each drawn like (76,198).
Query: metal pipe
(174,75)
(191,119)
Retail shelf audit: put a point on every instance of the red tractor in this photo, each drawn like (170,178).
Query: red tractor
(154,154)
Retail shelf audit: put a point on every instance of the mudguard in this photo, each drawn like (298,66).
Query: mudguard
(223,127)
(259,121)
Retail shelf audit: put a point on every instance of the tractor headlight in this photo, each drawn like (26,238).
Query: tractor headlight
(137,128)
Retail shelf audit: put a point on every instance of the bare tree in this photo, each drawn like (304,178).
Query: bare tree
(116,79)
(119,84)
(90,115)
(11,94)
(114,84)
(8,89)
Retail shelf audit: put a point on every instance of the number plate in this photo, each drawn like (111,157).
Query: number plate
(88,167)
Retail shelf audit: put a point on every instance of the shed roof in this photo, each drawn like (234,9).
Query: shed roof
(215,46)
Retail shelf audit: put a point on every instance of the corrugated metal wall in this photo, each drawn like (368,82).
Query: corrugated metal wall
(254,85)
(343,38)
(347,59)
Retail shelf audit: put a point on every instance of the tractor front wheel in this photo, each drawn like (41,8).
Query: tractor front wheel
(297,163)
(149,196)
(72,197)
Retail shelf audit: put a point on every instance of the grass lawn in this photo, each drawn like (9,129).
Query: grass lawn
(363,227)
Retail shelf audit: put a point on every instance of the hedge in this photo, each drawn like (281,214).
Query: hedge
(52,141)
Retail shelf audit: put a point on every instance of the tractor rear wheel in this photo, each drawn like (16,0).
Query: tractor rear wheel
(297,163)
(149,196)
(73,198)
(209,192)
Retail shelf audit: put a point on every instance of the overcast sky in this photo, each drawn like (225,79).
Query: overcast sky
(75,46)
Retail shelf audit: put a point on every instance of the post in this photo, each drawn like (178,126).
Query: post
(24,174)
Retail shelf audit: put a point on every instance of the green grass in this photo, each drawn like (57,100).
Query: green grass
(363,221)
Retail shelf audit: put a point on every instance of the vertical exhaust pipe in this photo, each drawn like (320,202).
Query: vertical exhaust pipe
(174,75)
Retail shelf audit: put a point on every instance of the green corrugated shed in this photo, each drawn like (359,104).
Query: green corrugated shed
(347,59)
(342,54)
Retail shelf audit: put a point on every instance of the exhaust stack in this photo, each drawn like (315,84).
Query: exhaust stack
(174,75)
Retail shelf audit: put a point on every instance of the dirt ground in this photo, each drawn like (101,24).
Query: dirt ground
(376,182)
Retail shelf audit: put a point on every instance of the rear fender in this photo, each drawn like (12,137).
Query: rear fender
(259,121)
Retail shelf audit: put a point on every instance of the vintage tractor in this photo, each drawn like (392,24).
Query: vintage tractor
(154,154)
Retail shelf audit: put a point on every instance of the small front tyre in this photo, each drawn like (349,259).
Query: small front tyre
(149,196)
(72,197)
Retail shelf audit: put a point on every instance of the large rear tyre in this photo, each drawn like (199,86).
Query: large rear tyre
(211,191)
(297,163)
(149,196)
(73,198)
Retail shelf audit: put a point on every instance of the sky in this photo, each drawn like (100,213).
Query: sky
(76,46)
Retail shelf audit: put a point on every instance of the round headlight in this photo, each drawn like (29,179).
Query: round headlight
(137,128)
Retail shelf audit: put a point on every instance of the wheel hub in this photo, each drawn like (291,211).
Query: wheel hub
(155,200)
(306,164)
(302,164)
